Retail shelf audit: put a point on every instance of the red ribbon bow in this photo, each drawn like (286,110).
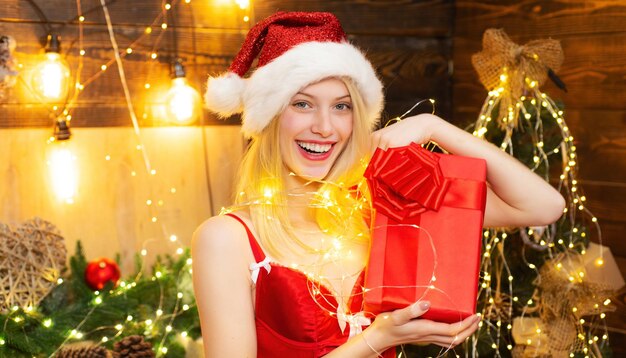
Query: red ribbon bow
(406,181)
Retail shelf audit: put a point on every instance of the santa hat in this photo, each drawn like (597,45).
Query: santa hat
(294,49)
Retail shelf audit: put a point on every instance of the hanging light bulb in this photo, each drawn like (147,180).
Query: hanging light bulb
(62,164)
(182,101)
(243,4)
(51,77)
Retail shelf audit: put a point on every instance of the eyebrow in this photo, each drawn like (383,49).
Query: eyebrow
(336,99)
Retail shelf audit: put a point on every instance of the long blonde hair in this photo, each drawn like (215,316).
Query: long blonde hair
(337,202)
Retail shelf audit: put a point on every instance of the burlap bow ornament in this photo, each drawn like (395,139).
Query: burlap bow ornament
(514,69)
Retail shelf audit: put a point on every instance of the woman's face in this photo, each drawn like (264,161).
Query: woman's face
(315,127)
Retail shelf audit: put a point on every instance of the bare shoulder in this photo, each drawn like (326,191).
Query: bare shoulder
(219,235)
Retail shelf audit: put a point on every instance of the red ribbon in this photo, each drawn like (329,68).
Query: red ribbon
(406,181)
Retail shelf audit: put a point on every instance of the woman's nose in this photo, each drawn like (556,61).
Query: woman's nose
(323,125)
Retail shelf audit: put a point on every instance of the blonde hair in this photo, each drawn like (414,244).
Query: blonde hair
(261,188)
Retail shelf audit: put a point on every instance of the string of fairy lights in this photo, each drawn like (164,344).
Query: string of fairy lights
(498,310)
(59,89)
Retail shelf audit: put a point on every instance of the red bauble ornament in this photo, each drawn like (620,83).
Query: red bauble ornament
(100,271)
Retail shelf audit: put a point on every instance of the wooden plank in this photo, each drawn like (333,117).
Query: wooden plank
(96,115)
(591,84)
(600,144)
(138,13)
(531,19)
(588,31)
(419,70)
(411,70)
(369,17)
(201,45)
(110,212)
(102,101)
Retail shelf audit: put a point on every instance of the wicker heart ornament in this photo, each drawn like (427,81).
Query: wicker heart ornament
(31,259)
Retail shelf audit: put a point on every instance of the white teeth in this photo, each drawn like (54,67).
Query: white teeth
(314,147)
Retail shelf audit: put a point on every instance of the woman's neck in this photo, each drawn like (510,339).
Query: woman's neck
(300,193)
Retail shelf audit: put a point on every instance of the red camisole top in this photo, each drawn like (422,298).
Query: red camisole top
(296,317)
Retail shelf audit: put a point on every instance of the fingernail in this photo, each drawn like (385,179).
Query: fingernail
(424,305)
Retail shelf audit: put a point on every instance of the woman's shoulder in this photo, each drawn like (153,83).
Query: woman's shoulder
(221,233)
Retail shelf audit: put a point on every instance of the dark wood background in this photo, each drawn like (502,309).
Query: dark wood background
(422,50)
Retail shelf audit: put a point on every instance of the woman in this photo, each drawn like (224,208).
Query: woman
(281,274)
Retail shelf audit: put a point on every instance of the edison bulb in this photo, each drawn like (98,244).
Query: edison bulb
(51,78)
(183,102)
(63,171)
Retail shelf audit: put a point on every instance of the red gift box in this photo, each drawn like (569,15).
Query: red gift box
(426,239)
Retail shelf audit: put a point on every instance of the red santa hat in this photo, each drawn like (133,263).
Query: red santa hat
(294,49)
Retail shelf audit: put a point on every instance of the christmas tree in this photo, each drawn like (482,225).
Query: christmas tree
(541,292)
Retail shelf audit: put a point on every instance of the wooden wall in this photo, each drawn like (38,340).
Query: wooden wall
(593,37)
(110,213)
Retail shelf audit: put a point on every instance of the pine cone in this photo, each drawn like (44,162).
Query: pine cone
(133,347)
(83,352)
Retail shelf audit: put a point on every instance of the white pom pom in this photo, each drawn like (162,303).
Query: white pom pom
(224,94)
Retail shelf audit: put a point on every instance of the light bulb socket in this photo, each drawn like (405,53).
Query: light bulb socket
(53,43)
(62,130)
(178,70)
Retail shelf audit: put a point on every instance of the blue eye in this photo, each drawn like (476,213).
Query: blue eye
(301,105)
(343,106)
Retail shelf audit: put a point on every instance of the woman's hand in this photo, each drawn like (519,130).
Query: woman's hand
(403,326)
(516,196)
(418,129)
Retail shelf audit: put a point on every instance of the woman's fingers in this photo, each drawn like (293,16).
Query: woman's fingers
(450,335)
(406,314)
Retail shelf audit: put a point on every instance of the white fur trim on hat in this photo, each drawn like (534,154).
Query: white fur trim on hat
(224,94)
(269,89)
